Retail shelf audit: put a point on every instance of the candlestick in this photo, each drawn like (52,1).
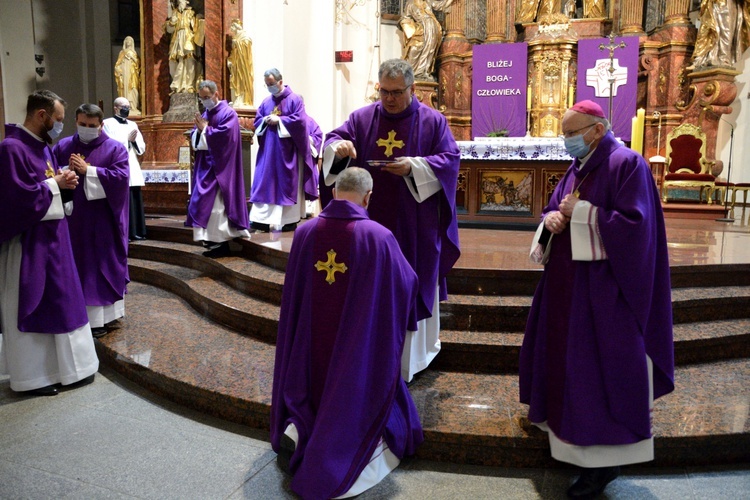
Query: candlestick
(528,98)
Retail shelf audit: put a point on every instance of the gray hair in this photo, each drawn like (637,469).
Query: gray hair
(208,84)
(275,73)
(121,101)
(393,68)
(603,121)
(354,180)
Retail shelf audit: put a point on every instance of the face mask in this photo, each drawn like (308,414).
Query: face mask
(124,113)
(576,146)
(208,103)
(57,129)
(87,134)
(273,89)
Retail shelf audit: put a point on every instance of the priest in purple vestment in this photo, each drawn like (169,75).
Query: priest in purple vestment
(341,415)
(99,221)
(217,211)
(46,338)
(285,174)
(598,344)
(413,158)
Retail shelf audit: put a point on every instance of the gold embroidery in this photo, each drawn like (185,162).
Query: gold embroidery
(331,266)
(276,111)
(50,172)
(390,143)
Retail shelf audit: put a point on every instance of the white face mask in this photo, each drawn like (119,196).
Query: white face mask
(87,134)
(208,103)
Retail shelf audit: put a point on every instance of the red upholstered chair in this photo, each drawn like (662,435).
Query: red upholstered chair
(687,166)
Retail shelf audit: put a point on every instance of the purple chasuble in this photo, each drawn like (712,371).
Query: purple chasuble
(591,324)
(277,164)
(337,374)
(50,299)
(99,228)
(219,168)
(427,232)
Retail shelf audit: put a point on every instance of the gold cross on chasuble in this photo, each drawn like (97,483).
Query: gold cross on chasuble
(50,172)
(331,266)
(390,143)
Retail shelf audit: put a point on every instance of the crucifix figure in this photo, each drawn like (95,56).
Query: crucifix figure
(611,46)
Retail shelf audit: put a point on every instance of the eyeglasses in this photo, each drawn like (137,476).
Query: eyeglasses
(573,132)
(126,108)
(392,93)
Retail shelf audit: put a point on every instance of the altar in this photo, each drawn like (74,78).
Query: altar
(507,181)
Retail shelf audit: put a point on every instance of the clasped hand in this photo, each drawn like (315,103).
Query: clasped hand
(78,164)
(66,179)
(557,221)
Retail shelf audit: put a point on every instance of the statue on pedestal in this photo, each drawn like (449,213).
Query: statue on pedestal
(593,9)
(128,75)
(422,35)
(531,10)
(724,32)
(240,63)
(187,32)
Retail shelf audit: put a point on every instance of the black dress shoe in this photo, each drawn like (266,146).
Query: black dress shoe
(259,226)
(288,227)
(220,251)
(286,450)
(84,381)
(50,390)
(139,238)
(592,482)
(99,331)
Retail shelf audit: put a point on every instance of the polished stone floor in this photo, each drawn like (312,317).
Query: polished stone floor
(115,439)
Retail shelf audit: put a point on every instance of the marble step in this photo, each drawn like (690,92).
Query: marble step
(170,348)
(498,352)
(487,340)
(209,296)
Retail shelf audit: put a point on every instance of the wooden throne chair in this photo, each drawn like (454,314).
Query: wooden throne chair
(687,166)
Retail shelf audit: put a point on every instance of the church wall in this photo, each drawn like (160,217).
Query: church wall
(17,55)
(740,119)
(73,37)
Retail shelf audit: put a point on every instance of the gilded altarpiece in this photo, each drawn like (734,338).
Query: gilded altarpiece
(552,78)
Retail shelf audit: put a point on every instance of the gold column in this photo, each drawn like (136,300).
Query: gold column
(455,20)
(631,17)
(497,21)
(676,12)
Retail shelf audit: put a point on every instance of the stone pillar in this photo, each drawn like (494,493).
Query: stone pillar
(631,17)
(455,20)
(454,75)
(497,21)
(676,12)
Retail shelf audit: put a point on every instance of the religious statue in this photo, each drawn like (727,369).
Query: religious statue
(240,63)
(187,32)
(128,75)
(593,9)
(570,9)
(422,35)
(531,10)
(724,32)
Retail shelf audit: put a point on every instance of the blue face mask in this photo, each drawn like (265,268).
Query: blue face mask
(57,129)
(87,134)
(273,89)
(576,146)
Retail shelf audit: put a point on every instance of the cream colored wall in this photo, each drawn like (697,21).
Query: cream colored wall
(740,119)
(77,67)
(300,40)
(17,54)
